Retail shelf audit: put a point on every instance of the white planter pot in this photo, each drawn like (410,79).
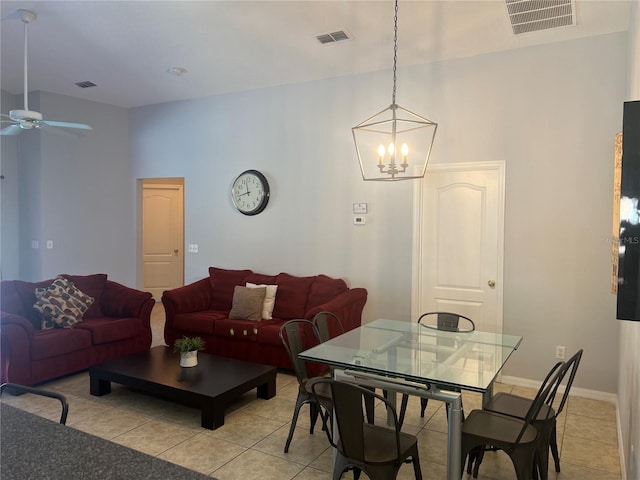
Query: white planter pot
(189,359)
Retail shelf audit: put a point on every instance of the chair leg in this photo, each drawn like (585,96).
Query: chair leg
(423,406)
(313,415)
(417,471)
(299,402)
(369,407)
(403,409)
(523,461)
(553,443)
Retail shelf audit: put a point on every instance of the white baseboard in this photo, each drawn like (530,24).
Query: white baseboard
(575,391)
(584,393)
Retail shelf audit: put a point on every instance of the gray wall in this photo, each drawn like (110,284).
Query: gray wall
(76,190)
(9,246)
(629,353)
(550,112)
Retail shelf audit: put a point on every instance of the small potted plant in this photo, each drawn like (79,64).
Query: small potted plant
(188,348)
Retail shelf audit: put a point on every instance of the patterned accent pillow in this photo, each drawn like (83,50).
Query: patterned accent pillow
(45,322)
(62,304)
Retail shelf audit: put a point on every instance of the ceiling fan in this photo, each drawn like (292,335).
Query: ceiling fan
(27,119)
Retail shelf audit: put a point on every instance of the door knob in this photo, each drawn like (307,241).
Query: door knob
(175,250)
(491,283)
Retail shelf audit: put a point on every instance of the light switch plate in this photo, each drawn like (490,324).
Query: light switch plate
(359,208)
(193,248)
(359,220)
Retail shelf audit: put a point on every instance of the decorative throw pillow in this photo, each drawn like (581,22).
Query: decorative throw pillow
(247,303)
(269,299)
(45,321)
(62,303)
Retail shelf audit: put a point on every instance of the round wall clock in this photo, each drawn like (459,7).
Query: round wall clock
(250,192)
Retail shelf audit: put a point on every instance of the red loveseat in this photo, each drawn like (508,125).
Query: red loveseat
(203,307)
(117,323)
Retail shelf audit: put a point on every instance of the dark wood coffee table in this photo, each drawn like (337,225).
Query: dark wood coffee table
(209,386)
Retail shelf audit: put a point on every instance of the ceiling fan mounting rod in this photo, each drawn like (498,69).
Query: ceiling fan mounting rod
(24,76)
(27,17)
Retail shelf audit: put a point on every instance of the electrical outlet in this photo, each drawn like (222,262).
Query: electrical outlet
(560,352)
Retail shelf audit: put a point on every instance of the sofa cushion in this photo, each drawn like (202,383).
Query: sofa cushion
(63,303)
(270,335)
(52,343)
(323,289)
(198,322)
(247,303)
(269,299)
(291,299)
(245,330)
(26,291)
(106,330)
(222,284)
(92,285)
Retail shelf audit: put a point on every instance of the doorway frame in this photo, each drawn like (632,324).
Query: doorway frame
(418,215)
(140,184)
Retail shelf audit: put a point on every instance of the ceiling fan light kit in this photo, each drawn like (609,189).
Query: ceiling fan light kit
(26,119)
(394,144)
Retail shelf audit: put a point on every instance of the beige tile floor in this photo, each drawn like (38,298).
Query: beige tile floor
(250,444)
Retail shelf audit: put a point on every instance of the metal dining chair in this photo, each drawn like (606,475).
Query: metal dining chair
(328,325)
(378,451)
(445,321)
(519,438)
(293,334)
(17,388)
(517,406)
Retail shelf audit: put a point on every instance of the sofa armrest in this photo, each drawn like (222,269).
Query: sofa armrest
(15,348)
(347,306)
(11,318)
(195,297)
(120,301)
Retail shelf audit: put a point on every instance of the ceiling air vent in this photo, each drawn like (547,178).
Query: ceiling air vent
(533,15)
(333,37)
(86,84)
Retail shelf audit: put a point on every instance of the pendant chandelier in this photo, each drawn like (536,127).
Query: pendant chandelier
(395,143)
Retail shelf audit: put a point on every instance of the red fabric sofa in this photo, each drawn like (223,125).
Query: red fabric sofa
(116,324)
(202,309)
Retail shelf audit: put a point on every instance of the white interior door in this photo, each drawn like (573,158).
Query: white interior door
(162,238)
(459,244)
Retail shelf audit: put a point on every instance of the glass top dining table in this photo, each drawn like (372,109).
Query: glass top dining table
(419,360)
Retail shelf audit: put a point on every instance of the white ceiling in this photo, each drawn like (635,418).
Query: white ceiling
(126,47)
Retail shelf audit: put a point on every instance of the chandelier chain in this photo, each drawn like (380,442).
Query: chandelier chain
(395,53)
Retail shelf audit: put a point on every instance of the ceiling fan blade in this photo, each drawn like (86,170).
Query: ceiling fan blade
(11,130)
(53,123)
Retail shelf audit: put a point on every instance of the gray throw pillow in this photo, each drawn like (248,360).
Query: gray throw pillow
(247,303)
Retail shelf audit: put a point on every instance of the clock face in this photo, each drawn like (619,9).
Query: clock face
(250,192)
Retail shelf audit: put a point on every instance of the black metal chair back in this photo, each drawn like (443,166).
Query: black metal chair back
(16,388)
(379,451)
(446,321)
(328,325)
